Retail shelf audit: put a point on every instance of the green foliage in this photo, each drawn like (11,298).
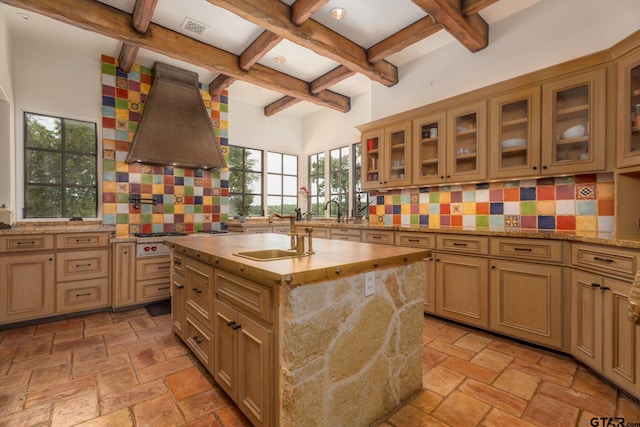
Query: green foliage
(242,162)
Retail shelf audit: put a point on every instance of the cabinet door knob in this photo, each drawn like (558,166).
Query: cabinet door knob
(236,327)
(535,168)
(493,267)
(604,288)
(544,167)
(231,323)
(595,285)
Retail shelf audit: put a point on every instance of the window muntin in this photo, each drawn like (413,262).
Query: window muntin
(60,167)
(282,183)
(316,183)
(339,180)
(245,181)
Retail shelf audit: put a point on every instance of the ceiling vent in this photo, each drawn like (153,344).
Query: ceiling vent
(193,26)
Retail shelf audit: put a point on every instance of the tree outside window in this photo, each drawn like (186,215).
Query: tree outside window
(316,183)
(245,182)
(360,198)
(282,183)
(339,188)
(61,168)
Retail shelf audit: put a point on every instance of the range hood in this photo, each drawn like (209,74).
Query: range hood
(175,128)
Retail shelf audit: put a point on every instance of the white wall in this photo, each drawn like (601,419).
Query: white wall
(7,149)
(547,33)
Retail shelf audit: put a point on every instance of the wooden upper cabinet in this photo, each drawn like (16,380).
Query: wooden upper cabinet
(386,157)
(573,124)
(628,108)
(429,149)
(467,143)
(514,141)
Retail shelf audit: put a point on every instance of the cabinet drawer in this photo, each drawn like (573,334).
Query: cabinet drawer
(467,244)
(543,250)
(199,339)
(245,295)
(199,289)
(347,234)
(177,262)
(25,243)
(321,233)
(82,265)
(416,240)
(153,268)
(81,240)
(282,229)
(258,230)
(153,290)
(381,237)
(605,259)
(82,295)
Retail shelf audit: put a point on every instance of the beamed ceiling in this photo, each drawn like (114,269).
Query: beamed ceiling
(327,58)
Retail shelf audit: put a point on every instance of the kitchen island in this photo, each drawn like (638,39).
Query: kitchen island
(296,341)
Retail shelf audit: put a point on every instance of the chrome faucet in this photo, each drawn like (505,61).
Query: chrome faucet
(326,206)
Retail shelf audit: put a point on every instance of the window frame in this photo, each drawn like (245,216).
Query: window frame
(282,176)
(342,197)
(243,173)
(315,198)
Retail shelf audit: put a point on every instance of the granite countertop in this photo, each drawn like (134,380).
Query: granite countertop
(332,259)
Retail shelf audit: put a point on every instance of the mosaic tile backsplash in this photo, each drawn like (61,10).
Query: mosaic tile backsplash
(174,199)
(581,203)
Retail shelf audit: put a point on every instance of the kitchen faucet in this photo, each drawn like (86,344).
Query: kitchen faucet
(326,205)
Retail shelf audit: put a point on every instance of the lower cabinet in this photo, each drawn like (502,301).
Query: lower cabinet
(177,295)
(28,286)
(199,338)
(602,336)
(153,279)
(123,273)
(462,289)
(526,301)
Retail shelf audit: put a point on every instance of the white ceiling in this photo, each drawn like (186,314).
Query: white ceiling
(367,23)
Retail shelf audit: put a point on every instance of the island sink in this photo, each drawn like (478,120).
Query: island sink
(270,254)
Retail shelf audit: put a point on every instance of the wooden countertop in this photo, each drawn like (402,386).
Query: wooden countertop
(332,259)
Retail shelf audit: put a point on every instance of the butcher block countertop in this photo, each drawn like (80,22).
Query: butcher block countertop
(332,259)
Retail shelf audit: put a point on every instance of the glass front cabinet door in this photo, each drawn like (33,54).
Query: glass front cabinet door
(573,124)
(386,159)
(628,128)
(514,145)
(466,143)
(429,149)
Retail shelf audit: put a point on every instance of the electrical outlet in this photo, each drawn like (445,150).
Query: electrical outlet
(369,283)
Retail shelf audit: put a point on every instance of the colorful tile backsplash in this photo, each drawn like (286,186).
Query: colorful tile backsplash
(583,203)
(173,199)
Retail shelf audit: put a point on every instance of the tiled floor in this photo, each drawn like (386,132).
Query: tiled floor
(128,369)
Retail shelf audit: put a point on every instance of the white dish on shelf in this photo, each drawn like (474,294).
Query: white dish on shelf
(574,132)
(514,142)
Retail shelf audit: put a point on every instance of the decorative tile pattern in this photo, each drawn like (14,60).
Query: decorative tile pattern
(568,203)
(181,196)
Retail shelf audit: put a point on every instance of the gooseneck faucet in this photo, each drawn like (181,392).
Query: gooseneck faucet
(326,206)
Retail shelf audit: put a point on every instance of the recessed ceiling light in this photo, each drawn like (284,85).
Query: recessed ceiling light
(279,59)
(22,16)
(338,13)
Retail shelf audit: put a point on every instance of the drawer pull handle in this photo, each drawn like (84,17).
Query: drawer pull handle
(163,288)
(376,237)
(459,244)
(180,286)
(604,288)
(164,267)
(595,285)
(607,260)
(236,327)
(83,265)
(344,238)
(26,243)
(196,339)
(522,249)
(177,263)
(231,323)
(87,294)
(83,240)
(413,240)
(196,290)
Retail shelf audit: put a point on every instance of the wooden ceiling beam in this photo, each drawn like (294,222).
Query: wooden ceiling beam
(142,13)
(302,10)
(97,17)
(469,7)
(259,48)
(127,57)
(274,15)
(219,84)
(472,31)
(415,32)
(329,79)
(280,105)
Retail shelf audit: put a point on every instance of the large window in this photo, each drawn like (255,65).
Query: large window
(245,181)
(361,198)
(316,184)
(282,183)
(339,176)
(60,164)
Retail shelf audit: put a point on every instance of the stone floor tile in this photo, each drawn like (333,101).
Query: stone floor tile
(121,418)
(105,329)
(232,417)
(410,416)
(68,335)
(141,323)
(587,382)
(198,405)
(132,396)
(89,353)
(495,397)
(27,418)
(60,391)
(431,358)
(451,350)
(40,362)
(187,383)
(517,351)
(426,401)
(441,380)
(147,357)
(498,418)
(127,315)
(116,380)
(470,369)
(93,366)
(473,341)
(208,420)
(549,412)
(51,375)
(176,351)
(449,334)
(19,333)
(34,348)
(587,419)
(133,346)
(59,326)
(122,337)
(77,344)
(560,363)
(578,399)
(517,383)
(461,410)
(75,409)
(492,359)
(158,412)
(628,408)
(14,380)
(542,372)
(163,369)
(12,398)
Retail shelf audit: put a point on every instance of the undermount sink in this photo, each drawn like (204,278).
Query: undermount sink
(270,254)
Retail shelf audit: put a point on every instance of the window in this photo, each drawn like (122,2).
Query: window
(339,189)
(245,181)
(61,168)
(282,183)
(316,184)
(360,198)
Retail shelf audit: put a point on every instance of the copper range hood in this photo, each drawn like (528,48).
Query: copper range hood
(175,128)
